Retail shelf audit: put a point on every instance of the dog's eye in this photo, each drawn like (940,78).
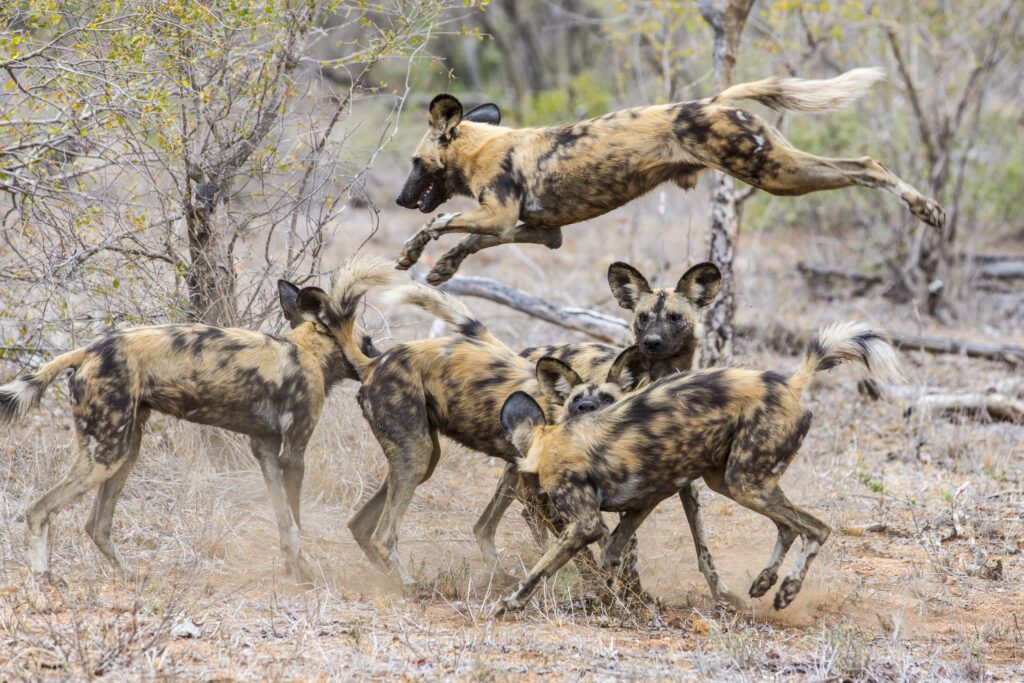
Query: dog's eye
(642,318)
(675,317)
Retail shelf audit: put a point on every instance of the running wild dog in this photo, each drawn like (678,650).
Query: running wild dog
(268,387)
(738,429)
(417,390)
(530,182)
(664,326)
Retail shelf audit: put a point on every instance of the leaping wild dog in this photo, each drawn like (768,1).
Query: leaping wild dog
(268,387)
(737,428)
(419,389)
(664,327)
(531,182)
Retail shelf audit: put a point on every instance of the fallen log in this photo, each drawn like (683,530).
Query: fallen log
(995,406)
(818,277)
(601,326)
(1012,355)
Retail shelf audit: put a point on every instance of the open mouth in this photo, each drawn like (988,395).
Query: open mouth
(426,199)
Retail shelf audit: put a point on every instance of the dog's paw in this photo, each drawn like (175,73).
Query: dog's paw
(765,580)
(787,592)
(438,223)
(48,578)
(502,607)
(928,210)
(412,250)
(301,571)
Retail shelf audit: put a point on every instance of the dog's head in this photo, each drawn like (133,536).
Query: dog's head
(435,177)
(565,388)
(665,320)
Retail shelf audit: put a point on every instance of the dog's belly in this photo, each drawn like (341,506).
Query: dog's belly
(594,189)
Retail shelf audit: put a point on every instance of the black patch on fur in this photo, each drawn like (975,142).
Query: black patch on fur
(510,183)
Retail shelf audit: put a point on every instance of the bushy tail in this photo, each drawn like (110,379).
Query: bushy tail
(353,279)
(847,341)
(23,394)
(447,308)
(797,94)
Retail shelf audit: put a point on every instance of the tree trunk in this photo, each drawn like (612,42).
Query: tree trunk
(211,271)
(716,345)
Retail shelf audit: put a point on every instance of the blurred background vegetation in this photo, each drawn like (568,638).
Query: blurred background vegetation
(167,160)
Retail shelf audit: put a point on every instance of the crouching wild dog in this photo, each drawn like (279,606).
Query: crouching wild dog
(419,389)
(268,387)
(664,327)
(738,429)
(531,182)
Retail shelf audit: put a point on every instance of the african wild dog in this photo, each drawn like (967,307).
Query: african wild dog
(664,326)
(268,387)
(531,182)
(737,428)
(417,390)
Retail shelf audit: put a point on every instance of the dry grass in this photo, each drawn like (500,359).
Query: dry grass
(906,589)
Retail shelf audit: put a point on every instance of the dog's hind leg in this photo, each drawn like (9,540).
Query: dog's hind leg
(412,450)
(102,516)
(364,521)
(787,171)
(267,451)
(85,474)
(449,263)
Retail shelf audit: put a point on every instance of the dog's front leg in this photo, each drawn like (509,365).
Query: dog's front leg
(484,220)
(449,264)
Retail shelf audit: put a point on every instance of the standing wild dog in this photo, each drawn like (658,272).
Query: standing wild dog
(664,327)
(270,388)
(417,390)
(531,182)
(738,429)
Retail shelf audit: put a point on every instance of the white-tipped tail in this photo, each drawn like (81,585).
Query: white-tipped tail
(798,94)
(19,397)
(435,302)
(355,277)
(848,341)
(23,394)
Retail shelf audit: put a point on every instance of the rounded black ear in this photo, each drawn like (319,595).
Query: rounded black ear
(311,304)
(700,284)
(485,113)
(550,371)
(287,293)
(629,369)
(519,416)
(445,113)
(627,284)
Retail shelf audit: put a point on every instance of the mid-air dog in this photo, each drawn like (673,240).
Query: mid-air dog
(738,429)
(268,387)
(530,182)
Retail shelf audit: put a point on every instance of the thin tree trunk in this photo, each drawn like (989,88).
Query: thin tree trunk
(716,346)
